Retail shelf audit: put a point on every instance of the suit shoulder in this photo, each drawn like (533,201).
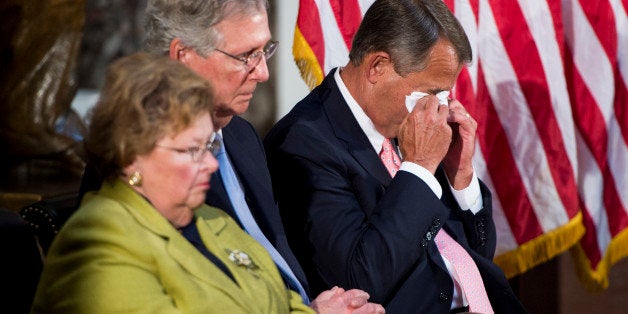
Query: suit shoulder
(307,116)
(239,125)
(242,131)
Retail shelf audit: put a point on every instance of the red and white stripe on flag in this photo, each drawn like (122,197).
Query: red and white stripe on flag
(549,88)
(596,64)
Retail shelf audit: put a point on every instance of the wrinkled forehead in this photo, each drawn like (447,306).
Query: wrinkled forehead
(244,31)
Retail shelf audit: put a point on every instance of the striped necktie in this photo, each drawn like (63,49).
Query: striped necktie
(466,272)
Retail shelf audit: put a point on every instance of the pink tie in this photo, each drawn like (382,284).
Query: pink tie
(389,157)
(468,275)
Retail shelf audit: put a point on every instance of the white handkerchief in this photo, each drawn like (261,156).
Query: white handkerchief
(415,96)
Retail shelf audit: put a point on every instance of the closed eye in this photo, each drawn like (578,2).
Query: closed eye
(192,150)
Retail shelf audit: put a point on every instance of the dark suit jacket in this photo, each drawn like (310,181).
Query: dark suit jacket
(246,152)
(351,224)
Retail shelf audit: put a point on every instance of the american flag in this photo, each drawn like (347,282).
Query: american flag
(549,88)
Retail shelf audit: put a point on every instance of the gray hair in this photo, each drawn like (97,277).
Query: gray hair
(407,30)
(192,21)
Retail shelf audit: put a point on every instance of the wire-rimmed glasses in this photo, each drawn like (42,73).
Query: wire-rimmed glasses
(198,152)
(252,59)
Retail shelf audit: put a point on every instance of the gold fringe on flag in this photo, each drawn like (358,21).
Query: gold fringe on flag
(541,249)
(311,70)
(596,280)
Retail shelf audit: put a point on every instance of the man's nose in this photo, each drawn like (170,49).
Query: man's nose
(260,72)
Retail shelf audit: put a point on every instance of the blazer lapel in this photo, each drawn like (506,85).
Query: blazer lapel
(189,258)
(347,129)
(184,253)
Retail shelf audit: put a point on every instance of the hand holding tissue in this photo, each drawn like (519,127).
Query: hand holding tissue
(415,96)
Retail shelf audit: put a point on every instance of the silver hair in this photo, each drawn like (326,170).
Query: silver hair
(192,21)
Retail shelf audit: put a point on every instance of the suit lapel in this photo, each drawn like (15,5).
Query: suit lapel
(347,129)
(244,163)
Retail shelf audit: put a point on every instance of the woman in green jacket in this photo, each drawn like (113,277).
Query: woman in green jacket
(145,242)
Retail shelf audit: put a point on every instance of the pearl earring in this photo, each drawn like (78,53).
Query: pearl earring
(135,179)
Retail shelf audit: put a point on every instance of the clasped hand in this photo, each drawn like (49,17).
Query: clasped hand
(434,133)
(337,300)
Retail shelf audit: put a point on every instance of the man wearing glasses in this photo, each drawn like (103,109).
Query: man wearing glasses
(228,42)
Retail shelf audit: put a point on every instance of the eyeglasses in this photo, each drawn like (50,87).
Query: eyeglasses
(198,153)
(252,59)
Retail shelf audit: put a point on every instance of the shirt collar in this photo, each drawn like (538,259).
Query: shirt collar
(375,138)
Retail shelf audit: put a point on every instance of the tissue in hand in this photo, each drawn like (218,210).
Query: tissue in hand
(415,96)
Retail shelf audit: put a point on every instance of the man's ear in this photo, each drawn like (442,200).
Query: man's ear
(378,65)
(178,51)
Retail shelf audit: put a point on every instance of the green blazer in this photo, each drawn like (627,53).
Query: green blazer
(118,254)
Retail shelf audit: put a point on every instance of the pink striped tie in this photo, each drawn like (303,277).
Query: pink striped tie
(389,157)
(468,276)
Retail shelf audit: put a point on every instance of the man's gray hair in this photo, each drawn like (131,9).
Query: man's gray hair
(192,21)
(407,30)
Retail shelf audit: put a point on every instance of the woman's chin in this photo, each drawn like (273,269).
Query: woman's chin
(196,201)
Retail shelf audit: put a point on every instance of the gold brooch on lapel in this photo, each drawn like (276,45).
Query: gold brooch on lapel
(243,260)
